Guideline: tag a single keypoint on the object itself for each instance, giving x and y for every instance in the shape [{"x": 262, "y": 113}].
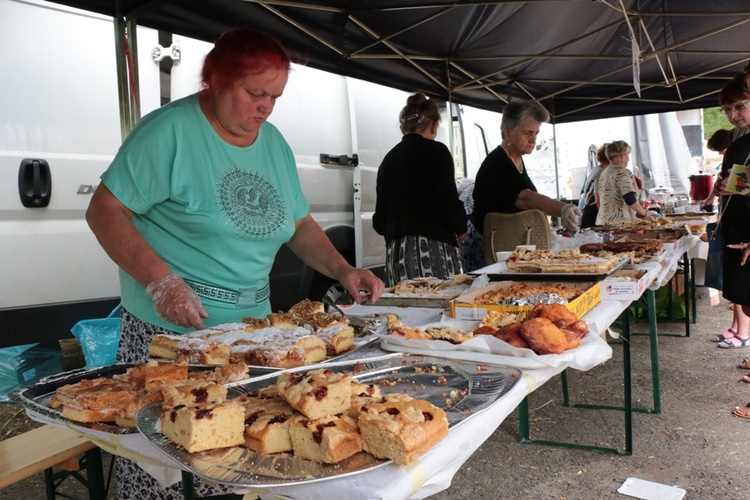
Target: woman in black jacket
[{"x": 417, "y": 208}]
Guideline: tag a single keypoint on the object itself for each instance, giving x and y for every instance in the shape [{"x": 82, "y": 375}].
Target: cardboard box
[
  {"x": 678, "y": 282},
  {"x": 463, "y": 307},
  {"x": 625, "y": 284}
]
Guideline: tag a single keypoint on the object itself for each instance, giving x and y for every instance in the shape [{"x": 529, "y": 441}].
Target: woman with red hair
[{"x": 195, "y": 206}]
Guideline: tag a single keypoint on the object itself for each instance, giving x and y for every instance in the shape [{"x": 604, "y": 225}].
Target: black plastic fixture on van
[
  {"x": 34, "y": 183},
  {"x": 351, "y": 161}
]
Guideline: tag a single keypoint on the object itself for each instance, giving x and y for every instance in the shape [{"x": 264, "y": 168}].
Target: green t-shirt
[{"x": 216, "y": 213}]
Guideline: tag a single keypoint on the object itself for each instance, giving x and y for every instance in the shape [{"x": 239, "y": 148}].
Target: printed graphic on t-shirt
[{"x": 251, "y": 204}]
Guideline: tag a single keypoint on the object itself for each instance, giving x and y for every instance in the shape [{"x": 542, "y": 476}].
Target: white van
[{"x": 59, "y": 129}]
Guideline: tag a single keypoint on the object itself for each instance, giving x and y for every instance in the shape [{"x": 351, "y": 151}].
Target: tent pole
[
  {"x": 554, "y": 150},
  {"x": 126, "y": 57}
]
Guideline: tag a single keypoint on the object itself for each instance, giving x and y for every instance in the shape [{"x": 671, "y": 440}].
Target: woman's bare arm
[
  {"x": 111, "y": 223},
  {"x": 312, "y": 245}
]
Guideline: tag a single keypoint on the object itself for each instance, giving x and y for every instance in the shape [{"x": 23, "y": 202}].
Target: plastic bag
[
  {"x": 662, "y": 304},
  {"x": 23, "y": 365},
  {"x": 581, "y": 238},
  {"x": 99, "y": 338}
]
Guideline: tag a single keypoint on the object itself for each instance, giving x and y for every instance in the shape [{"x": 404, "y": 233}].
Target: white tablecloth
[
  {"x": 669, "y": 265},
  {"x": 424, "y": 477}
]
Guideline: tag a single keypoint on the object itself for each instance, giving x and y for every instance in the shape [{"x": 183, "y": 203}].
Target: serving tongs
[{"x": 338, "y": 294}]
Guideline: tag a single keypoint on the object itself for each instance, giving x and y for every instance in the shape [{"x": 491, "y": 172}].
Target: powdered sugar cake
[{"x": 279, "y": 347}]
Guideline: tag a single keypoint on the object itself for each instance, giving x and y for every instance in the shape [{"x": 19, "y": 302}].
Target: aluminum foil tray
[
  {"x": 502, "y": 274},
  {"x": 461, "y": 388},
  {"x": 37, "y": 397}
]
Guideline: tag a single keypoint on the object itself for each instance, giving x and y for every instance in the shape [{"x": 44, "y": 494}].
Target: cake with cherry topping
[
  {"x": 267, "y": 422},
  {"x": 401, "y": 430},
  {"x": 193, "y": 393},
  {"x": 204, "y": 427},
  {"x": 362, "y": 394},
  {"x": 327, "y": 440},
  {"x": 317, "y": 393}
]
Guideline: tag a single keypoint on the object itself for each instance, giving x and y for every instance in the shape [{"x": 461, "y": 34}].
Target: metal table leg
[
  {"x": 653, "y": 334},
  {"x": 523, "y": 408},
  {"x": 653, "y": 341}
]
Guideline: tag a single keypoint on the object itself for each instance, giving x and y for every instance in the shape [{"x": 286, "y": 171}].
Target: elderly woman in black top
[
  {"x": 502, "y": 183},
  {"x": 417, "y": 208}
]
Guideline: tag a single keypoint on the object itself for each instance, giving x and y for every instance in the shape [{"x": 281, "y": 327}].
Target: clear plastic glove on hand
[
  {"x": 652, "y": 214},
  {"x": 176, "y": 302},
  {"x": 569, "y": 217}
]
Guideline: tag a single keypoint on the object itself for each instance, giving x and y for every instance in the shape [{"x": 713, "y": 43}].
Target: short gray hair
[{"x": 515, "y": 113}]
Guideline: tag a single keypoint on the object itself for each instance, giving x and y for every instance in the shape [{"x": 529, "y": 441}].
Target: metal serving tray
[
  {"x": 496, "y": 272},
  {"x": 38, "y": 396},
  {"x": 461, "y": 388},
  {"x": 441, "y": 298}
]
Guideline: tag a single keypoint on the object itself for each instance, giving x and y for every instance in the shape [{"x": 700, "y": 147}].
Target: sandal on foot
[
  {"x": 746, "y": 378},
  {"x": 735, "y": 342},
  {"x": 742, "y": 411},
  {"x": 744, "y": 364},
  {"x": 726, "y": 335}
]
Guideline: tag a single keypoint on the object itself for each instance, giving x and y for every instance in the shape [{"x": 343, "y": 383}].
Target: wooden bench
[{"x": 46, "y": 447}]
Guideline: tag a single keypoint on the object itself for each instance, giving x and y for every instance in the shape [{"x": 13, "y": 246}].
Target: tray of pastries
[
  {"x": 108, "y": 398},
  {"x": 327, "y": 421},
  {"x": 550, "y": 335},
  {"x": 635, "y": 251},
  {"x": 649, "y": 222},
  {"x": 548, "y": 329},
  {"x": 425, "y": 291},
  {"x": 303, "y": 335},
  {"x": 571, "y": 264}
]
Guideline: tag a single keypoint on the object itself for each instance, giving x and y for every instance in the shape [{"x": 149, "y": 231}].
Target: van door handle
[
  {"x": 351, "y": 161},
  {"x": 34, "y": 183}
]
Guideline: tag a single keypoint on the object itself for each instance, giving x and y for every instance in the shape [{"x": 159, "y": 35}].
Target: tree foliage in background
[{"x": 713, "y": 120}]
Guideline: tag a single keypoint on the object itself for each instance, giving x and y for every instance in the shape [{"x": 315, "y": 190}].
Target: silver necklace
[{"x": 518, "y": 164}]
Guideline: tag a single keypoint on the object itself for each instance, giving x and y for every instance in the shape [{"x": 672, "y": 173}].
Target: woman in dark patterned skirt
[{"x": 417, "y": 208}]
